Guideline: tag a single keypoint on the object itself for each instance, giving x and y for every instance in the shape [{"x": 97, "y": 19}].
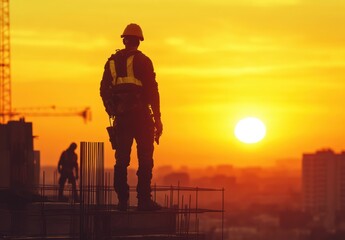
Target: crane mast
[{"x": 5, "y": 62}]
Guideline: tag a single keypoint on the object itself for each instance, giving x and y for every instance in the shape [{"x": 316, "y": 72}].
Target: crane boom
[
  {"x": 5, "y": 61},
  {"x": 50, "y": 111}
]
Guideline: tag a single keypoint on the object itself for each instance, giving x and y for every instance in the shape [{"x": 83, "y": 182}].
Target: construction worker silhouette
[
  {"x": 129, "y": 91},
  {"x": 67, "y": 165}
]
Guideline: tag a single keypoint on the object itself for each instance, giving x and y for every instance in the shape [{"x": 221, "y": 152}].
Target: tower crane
[
  {"x": 6, "y": 110},
  {"x": 5, "y": 62}
]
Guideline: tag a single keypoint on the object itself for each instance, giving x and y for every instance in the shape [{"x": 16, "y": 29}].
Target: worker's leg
[
  {"x": 124, "y": 140},
  {"x": 144, "y": 173},
  {"x": 145, "y": 147},
  {"x": 62, "y": 182},
  {"x": 74, "y": 189}
]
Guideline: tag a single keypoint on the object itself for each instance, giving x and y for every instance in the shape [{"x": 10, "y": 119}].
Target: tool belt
[{"x": 112, "y": 133}]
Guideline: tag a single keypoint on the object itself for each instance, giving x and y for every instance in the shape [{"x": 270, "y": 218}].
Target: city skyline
[{"x": 282, "y": 62}]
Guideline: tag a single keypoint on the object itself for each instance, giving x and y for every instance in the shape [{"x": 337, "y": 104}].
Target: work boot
[
  {"x": 148, "y": 205},
  {"x": 122, "y": 206}
]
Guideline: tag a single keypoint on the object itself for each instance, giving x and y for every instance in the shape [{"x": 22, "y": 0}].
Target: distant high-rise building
[
  {"x": 19, "y": 162},
  {"x": 323, "y": 184}
]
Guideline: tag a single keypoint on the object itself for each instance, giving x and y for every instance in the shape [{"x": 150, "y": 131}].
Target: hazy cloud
[{"x": 69, "y": 40}]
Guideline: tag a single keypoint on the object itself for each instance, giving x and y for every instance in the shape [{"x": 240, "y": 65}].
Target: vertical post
[
  {"x": 178, "y": 203},
  {"x": 196, "y": 207},
  {"x": 223, "y": 213},
  {"x": 42, "y": 207},
  {"x": 171, "y": 196},
  {"x": 81, "y": 194},
  {"x": 182, "y": 215},
  {"x": 44, "y": 182},
  {"x": 155, "y": 192},
  {"x": 189, "y": 213}
]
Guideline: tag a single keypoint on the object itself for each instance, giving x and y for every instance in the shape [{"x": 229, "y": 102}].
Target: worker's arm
[
  {"x": 76, "y": 167},
  {"x": 60, "y": 163},
  {"x": 105, "y": 89},
  {"x": 147, "y": 75}
]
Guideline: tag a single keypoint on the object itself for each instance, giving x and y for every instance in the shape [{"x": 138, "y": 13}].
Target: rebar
[{"x": 91, "y": 187}]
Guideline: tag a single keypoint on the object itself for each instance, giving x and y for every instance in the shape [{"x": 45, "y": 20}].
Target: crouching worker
[{"x": 68, "y": 170}]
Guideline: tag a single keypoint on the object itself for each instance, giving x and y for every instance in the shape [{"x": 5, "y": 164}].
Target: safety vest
[{"x": 129, "y": 79}]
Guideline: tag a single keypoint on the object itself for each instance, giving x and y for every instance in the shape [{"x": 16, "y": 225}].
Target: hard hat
[{"x": 133, "y": 30}]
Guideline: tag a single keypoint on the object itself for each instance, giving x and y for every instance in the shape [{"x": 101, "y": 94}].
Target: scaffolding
[
  {"x": 96, "y": 215},
  {"x": 49, "y": 218}
]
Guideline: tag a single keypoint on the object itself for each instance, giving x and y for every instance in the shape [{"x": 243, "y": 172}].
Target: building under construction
[{"x": 29, "y": 208}]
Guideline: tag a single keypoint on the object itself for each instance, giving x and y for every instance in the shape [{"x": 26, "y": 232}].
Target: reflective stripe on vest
[{"x": 130, "y": 73}]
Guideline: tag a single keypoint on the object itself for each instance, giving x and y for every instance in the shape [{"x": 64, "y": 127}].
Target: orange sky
[{"x": 216, "y": 62}]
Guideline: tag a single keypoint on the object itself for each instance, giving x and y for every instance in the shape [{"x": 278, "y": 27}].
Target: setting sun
[{"x": 250, "y": 130}]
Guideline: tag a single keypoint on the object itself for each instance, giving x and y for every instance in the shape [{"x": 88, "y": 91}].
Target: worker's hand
[
  {"x": 76, "y": 177},
  {"x": 158, "y": 129}
]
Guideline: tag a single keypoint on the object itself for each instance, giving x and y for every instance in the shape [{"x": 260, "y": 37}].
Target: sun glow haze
[
  {"x": 284, "y": 60},
  {"x": 250, "y": 130}
]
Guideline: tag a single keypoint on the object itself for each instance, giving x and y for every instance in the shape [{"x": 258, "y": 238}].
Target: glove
[{"x": 158, "y": 130}]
